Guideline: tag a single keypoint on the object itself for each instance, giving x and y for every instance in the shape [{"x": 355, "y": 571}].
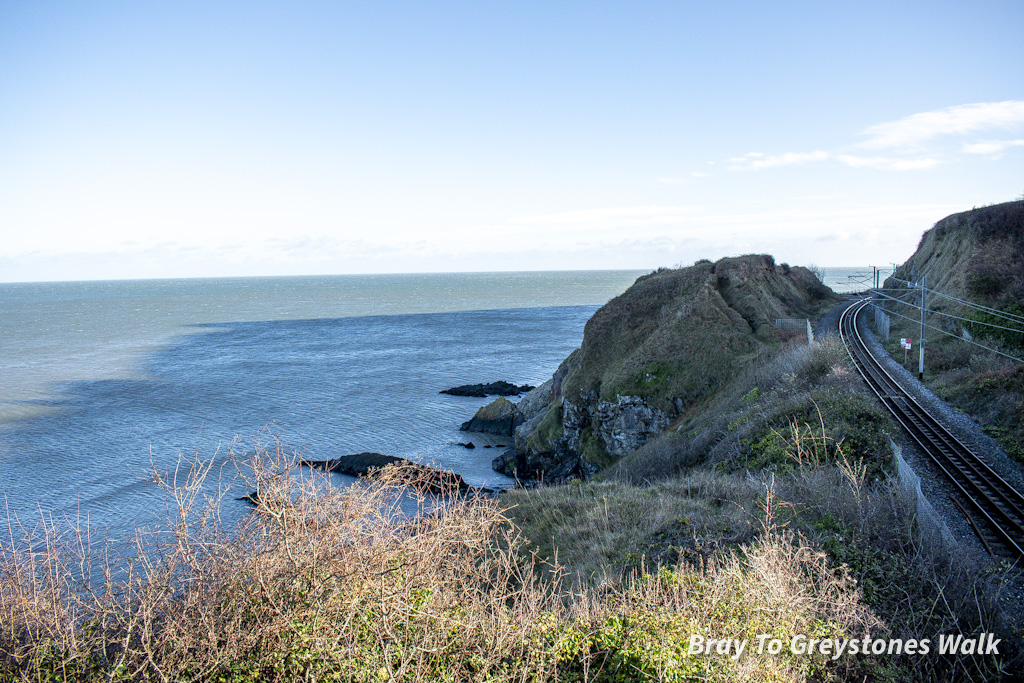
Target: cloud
[
  {"x": 991, "y": 146},
  {"x": 959, "y": 120},
  {"x": 888, "y": 163},
  {"x": 610, "y": 216},
  {"x": 903, "y": 136},
  {"x": 755, "y": 161}
]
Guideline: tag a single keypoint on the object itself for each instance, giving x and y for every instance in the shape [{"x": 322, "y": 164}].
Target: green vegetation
[
  {"x": 333, "y": 584},
  {"x": 678, "y": 333},
  {"x": 794, "y": 445},
  {"x": 993, "y": 397},
  {"x": 549, "y": 430},
  {"x": 1009, "y": 334}
]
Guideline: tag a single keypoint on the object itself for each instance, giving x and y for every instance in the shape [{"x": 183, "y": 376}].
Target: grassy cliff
[
  {"x": 651, "y": 355},
  {"x": 677, "y": 334},
  {"x": 975, "y": 256}
]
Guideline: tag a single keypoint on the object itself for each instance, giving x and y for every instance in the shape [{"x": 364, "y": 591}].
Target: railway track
[{"x": 994, "y": 509}]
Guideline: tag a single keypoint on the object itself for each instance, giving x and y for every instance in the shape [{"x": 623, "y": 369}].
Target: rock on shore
[{"x": 500, "y": 416}]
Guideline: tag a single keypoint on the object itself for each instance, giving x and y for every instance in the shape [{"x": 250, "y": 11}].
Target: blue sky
[{"x": 181, "y": 139}]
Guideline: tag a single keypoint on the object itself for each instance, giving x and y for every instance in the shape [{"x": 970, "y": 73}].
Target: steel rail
[{"x": 998, "y": 503}]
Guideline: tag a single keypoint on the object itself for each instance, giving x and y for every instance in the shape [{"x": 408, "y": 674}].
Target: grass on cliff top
[
  {"x": 321, "y": 583},
  {"x": 614, "y": 532},
  {"x": 798, "y": 432},
  {"x": 677, "y": 334}
]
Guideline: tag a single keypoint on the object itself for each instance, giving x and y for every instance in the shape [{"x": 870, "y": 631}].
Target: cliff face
[
  {"x": 976, "y": 255},
  {"x": 650, "y": 354}
]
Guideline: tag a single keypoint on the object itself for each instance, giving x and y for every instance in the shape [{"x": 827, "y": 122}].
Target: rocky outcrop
[
  {"x": 624, "y": 425},
  {"x": 653, "y": 353},
  {"x": 535, "y": 400},
  {"x": 976, "y": 255},
  {"x": 358, "y": 465},
  {"x": 499, "y": 388},
  {"x": 554, "y": 467},
  {"x": 497, "y": 417}
]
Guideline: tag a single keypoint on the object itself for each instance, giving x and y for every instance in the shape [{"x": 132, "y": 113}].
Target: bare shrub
[{"x": 318, "y": 581}]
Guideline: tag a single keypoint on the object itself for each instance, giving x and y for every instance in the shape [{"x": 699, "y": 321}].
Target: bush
[{"x": 318, "y": 582}]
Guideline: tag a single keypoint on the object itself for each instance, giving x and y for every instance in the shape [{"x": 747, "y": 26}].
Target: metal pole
[{"x": 920, "y": 365}]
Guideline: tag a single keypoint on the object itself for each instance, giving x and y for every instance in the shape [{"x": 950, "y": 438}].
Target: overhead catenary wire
[
  {"x": 978, "y": 322},
  {"x": 950, "y": 315},
  {"x": 988, "y": 309},
  {"x": 956, "y": 336},
  {"x": 993, "y": 311}
]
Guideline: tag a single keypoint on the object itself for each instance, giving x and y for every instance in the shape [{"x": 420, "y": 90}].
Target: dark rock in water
[
  {"x": 509, "y": 463},
  {"x": 426, "y": 478},
  {"x": 500, "y": 416},
  {"x": 499, "y": 388},
  {"x": 358, "y": 465},
  {"x": 469, "y": 444}
]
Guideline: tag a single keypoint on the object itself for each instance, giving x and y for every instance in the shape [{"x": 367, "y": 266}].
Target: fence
[
  {"x": 796, "y": 325},
  {"x": 881, "y": 321},
  {"x": 932, "y": 529}
]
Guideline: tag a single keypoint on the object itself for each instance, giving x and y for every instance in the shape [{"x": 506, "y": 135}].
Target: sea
[{"x": 106, "y": 382}]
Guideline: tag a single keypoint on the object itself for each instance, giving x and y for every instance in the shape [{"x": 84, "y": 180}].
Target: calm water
[
  {"x": 101, "y": 378},
  {"x": 845, "y": 280}
]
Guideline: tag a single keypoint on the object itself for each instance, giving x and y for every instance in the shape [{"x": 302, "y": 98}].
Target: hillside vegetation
[
  {"x": 975, "y": 256},
  {"x": 650, "y": 356}
]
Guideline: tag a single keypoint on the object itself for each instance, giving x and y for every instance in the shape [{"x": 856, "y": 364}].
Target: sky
[{"x": 197, "y": 139}]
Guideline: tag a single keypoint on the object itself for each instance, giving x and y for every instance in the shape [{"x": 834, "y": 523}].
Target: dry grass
[
  {"x": 335, "y": 583},
  {"x": 604, "y": 531},
  {"x": 318, "y": 581},
  {"x": 612, "y": 532}
]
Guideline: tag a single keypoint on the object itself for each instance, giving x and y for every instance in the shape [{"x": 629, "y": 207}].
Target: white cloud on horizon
[
  {"x": 888, "y": 163},
  {"x": 991, "y": 146},
  {"x": 629, "y": 237},
  {"x": 755, "y": 161},
  {"x": 609, "y": 217},
  {"x": 906, "y": 134},
  {"x": 958, "y": 120}
]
